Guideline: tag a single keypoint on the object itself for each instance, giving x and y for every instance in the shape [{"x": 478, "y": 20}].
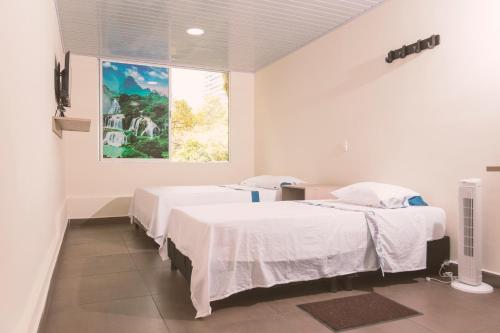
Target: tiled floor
[{"x": 111, "y": 279}]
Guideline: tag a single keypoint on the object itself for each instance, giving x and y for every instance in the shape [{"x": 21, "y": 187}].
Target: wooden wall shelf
[
  {"x": 493, "y": 168},
  {"x": 60, "y": 124}
]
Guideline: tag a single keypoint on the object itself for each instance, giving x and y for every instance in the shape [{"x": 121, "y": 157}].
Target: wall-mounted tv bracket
[
  {"x": 417, "y": 47},
  {"x": 57, "y": 90},
  {"x": 60, "y": 107},
  {"x": 60, "y": 110}
]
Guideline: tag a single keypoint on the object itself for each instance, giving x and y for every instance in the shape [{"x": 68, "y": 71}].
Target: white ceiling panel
[{"x": 240, "y": 35}]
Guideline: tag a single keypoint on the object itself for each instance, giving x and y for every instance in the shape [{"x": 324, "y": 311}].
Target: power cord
[{"x": 446, "y": 275}]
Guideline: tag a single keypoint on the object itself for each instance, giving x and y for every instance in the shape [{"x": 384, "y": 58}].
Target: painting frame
[{"x": 164, "y": 130}]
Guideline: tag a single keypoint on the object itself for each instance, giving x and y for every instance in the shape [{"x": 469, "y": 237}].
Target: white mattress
[
  {"x": 151, "y": 205},
  {"x": 434, "y": 218},
  {"x": 240, "y": 246}
]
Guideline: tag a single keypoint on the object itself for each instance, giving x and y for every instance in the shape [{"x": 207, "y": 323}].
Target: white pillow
[
  {"x": 375, "y": 195},
  {"x": 270, "y": 182}
]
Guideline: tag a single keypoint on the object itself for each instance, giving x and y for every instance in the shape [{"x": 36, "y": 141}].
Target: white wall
[
  {"x": 103, "y": 188},
  {"x": 31, "y": 170},
  {"x": 423, "y": 122}
]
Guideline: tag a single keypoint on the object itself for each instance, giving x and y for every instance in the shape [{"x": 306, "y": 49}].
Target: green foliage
[
  {"x": 200, "y": 136},
  {"x": 154, "y": 106},
  {"x": 192, "y": 150},
  {"x": 152, "y": 147},
  {"x": 129, "y": 152},
  {"x": 183, "y": 118},
  {"x": 213, "y": 113},
  {"x": 219, "y": 152},
  {"x": 111, "y": 151}
]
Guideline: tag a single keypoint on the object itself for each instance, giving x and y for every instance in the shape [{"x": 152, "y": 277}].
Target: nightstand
[{"x": 308, "y": 192}]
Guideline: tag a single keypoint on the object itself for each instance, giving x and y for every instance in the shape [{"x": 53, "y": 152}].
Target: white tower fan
[{"x": 470, "y": 239}]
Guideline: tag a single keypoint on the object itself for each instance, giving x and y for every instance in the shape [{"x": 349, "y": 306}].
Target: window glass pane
[{"x": 199, "y": 122}]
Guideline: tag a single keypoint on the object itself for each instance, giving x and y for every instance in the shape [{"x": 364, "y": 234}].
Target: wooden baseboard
[
  {"x": 98, "y": 220},
  {"x": 488, "y": 277}
]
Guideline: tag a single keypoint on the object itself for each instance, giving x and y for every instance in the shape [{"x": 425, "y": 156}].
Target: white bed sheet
[
  {"x": 151, "y": 206},
  {"x": 434, "y": 218},
  {"x": 399, "y": 235},
  {"x": 239, "y": 247}
]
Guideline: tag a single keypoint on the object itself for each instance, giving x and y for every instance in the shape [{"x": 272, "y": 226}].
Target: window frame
[{"x": 100, "y": 132}]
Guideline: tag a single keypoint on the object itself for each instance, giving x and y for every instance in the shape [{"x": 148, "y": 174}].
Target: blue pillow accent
[
  {"x": 417, "y": 201},
  {"x": 255, "y": 196}
]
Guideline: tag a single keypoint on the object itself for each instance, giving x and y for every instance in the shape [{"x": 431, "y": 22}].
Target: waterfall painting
[{"x": 134, "y": 110}]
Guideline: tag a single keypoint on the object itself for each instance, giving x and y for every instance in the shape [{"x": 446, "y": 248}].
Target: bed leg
[
  {"x": 347, "y": 282},
  {"x": 333, "y": 285},
  {"x": 172, "y": 266}
]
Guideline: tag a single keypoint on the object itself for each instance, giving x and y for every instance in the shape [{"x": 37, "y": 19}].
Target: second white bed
[
  {"x": 240, "y": 246},
  {"x": 151, "y": 206}
]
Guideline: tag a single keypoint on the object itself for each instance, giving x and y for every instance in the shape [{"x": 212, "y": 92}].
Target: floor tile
[
  {"x": 178, "y": 313},
  {"x": 444, "y": 308},
  {"x": 303, "y": 322},
  {"x": 237, "y": 313},
  {"x": 94, "y": 248},
  {"x": 175, "y": 308},
  {"x": 188, "y": 326},
  {"x": 424, "y": 296},
  {"x": 85, "y": 234},
  {"x": 456, "y": 318},
  {"x": 96, "y": 288},
  {"x": 178, "y": 322},
  {"x": 148, "y": 260},
  {"x": 232, "y": 310},
  {"x": 494, "y": 329},
  {"x": 107, "y": 274},
  {"x": 134, "y": 233},
  {"x": 489, "y": 303},
  {"x": 106, "y": 226},
  {"x": 124, "y": 316},
  {"x": 141, "y": 245},
  {"x": 270, "y": 324},
  {"x": 164, "y": 281},
  {"x": 85, "y": 266}
]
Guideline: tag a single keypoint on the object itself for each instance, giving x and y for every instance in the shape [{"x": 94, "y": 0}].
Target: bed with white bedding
[
  {"x": 238, "y": 247},
  {"x": 151, "y": 206}
]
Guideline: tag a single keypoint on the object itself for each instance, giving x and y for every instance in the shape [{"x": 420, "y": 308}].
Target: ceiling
[{"x": 240, "y": 35}]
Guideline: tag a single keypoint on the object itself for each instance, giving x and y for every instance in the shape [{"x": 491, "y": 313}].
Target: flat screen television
[
  {"x": 57, "y": 81},
  {"x": 65, "y": 99}
]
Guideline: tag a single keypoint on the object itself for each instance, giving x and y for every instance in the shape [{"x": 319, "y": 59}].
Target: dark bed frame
[{"x": 437, "y": 252}]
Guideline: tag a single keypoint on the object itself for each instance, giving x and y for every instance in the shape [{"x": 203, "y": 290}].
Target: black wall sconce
[{"x": 417, "y": 47}]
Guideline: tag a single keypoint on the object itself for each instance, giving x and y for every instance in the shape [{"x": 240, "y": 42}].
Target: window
[
  {"x": 199, "y": 122},
  {"x": 153, "y": 112}
]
